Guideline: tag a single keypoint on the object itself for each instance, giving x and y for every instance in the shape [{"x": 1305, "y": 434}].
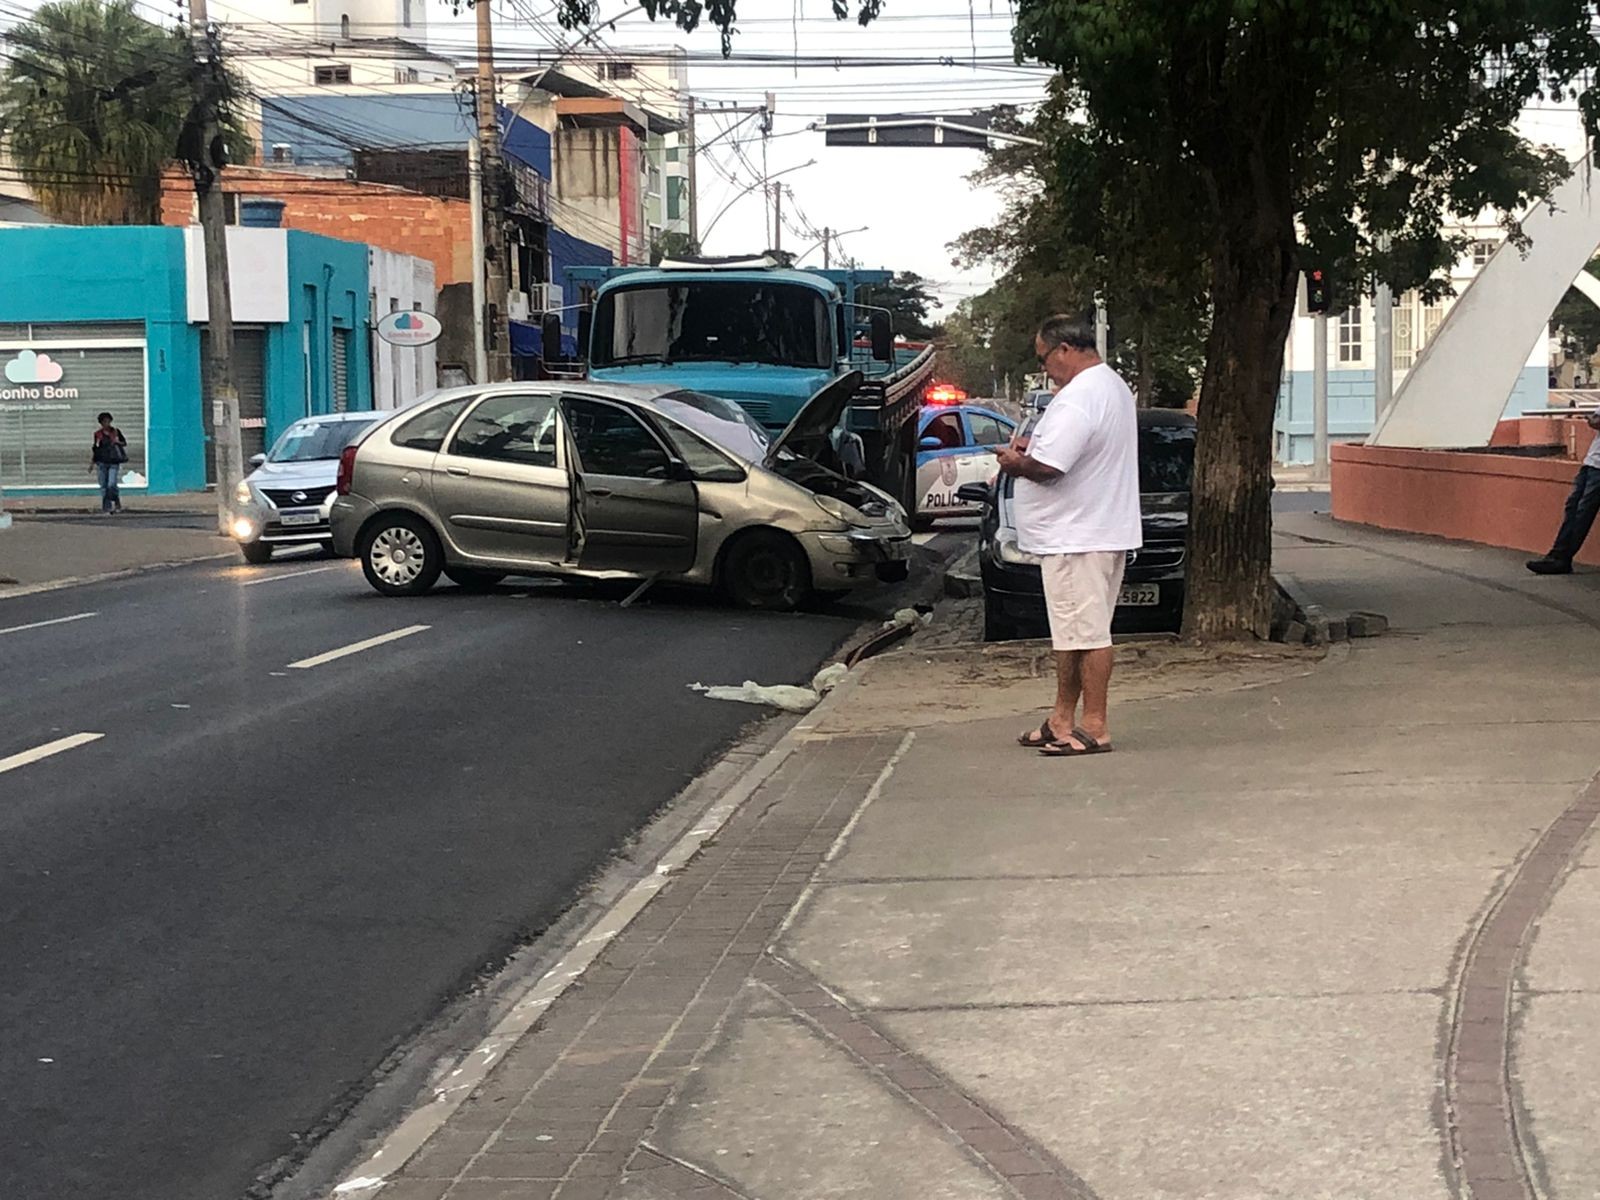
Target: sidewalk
[
  {"x": 46, "y": 551},
  {"x": 1320, "y": 928}
]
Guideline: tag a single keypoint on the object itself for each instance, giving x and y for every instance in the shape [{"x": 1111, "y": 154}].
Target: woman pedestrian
[{"x": 110, "y": 452}]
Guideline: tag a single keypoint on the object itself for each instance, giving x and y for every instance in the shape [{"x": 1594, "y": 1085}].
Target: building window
[
  {"x": 654, "y": 180},
  {"x": 1350, "y": 335},
  {"x": 338, "y": 74},
  {"x": 406, "y": 75},
  {"x": 1405, "y": 331},
  {"x": 675, "y": 189},
  {"x": 616, "y": 70},
  {"x": 1482, "y": 252},
  {"x": 405, "y": 13},
  {"x": 344, "y": 27}
]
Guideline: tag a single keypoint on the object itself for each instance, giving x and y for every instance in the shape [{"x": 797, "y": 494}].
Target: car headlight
[
  {"x": 840, "y": 511},
  {"x": 241, "y": 494},
  {"x": 1009, "y": 552}
]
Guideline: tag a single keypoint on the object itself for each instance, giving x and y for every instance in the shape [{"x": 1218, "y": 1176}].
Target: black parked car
[{"x": 1152, "y": 588}]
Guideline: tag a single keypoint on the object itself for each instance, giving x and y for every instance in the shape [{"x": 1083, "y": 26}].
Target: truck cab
[{"x": 768, "y": 337}]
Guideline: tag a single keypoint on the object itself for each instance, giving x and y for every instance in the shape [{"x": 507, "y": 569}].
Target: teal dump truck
[{"x": 772, "y": 339}]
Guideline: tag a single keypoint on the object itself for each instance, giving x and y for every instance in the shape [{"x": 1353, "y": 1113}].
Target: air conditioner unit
[
  {"x": 546, "y": 297},
  {"x": 517, "y": 307}
]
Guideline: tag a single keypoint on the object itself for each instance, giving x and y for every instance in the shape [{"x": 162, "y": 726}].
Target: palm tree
[{"x": 91, "y": 106}]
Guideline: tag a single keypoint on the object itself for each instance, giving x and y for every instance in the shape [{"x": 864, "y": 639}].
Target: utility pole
[
  {"x": 497, "y": 284},
  {"x": 777, "y": 216},
  {"x": 692, "y": 146},
  {"x": 1319, "y": 399},
  {"x": 220, "y": 388},
  {"x": 1383, "y": 344},
  {"x": 827, "y": 255},
  {"x": 480, "y": 344}
]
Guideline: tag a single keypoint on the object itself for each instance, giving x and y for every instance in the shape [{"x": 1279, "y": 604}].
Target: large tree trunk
[{"x": 1253, "y": 290}]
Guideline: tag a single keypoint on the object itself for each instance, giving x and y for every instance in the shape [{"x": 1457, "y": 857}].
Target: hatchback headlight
[
  {"x": 1009, "y": 552},
  {"x": 840, "y": 511},
  {"x": 241, "y": 494}
]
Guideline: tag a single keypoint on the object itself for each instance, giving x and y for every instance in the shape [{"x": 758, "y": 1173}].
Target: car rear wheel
[
  {"x": 256, "y": 553},
  {"x": 400, "y": 555},
  {"x": 473, "y": 581},
  {"x": 768, "y": 570}
]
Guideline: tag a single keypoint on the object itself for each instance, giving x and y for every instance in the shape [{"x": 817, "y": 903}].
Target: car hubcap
[
  {"x": 397, "y": 556},
  {"x": 768, "y": 574}
]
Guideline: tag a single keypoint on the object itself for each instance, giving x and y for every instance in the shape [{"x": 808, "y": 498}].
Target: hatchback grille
[
  {"x": 309, "y": 497},
  {"x": 760, "y": 410}
]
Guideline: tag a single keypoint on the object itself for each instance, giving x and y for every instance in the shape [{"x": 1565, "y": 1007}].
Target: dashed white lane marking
[
  {"x": 286, "y": 575},
  {"x": 25, "y": 757},
  {"x": 317, "y": 660},
  {"x": 54, "y": 621}
]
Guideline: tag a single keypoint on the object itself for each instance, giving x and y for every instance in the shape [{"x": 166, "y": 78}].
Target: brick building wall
[{"x": 391, "y": 218}]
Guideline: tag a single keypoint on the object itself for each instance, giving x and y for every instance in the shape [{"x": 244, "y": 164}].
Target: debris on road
[{"x": 786, "y": 696}]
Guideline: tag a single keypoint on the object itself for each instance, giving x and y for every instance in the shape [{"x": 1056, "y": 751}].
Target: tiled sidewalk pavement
[
  {"x": 569, "y": 1113},
  {"x": 564, "y": 1113}
]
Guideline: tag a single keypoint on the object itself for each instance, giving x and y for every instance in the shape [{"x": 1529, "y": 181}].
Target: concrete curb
[
  {"x": 56, "y": 585},
  {"x": 454, "y": 1084}
]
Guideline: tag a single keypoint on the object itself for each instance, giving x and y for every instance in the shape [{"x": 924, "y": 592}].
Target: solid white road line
[
  {"x": 287, "y": 575},
  {"x": 56, "y": 621},
  {"x": 46, "y": 750},
  {"x": 356, "y": 647}
]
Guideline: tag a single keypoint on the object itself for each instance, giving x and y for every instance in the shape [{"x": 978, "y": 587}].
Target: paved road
[{"x": 256, "y": 868}]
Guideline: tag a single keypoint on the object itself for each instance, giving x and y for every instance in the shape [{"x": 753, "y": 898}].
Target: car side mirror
[
  {"x": 930, "y": 443},
  {"x": 679, "y": 471},
  {"x": 882, "y": 337},
  {"x": 257, "y": 459},
  {"x": 550, "y": 336},
  {"x": 973, "y": 493}
]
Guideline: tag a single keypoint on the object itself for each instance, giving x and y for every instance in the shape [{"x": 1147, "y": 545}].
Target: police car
[{"x": 955, "y": 445}]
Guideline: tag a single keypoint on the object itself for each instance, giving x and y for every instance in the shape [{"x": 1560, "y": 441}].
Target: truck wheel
[
  {"x": 256, "y": 553},
  {"x": 400, "y": 556},
  {"x": 768, "y": 570}
]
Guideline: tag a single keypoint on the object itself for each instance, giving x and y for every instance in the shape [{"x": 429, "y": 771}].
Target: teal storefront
[{"x": 112, "y": 318}]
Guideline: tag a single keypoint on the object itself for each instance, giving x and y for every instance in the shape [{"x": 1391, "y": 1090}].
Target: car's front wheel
[
  {"x": 469, "y": 580},
  {"x": 767, "y": 569},
  {"x": 256, "y": 553},
  {"x": 997, "y": 627},
  {"x": 400, "y": 556}
]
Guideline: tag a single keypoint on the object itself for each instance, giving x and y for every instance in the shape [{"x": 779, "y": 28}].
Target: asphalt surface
[{"x": 218, "y": 918}]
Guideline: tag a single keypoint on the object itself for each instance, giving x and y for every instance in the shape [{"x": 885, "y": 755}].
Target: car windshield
[
  {"x": 709, "y": 321},
  {"x": 719, "y": 421},
  {"x": 1166, "y": 459},
  {"x": 308, "y": 441}
]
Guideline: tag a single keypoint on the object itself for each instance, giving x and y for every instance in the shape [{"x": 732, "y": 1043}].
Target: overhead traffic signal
[{"x": 1319, "y": 297}]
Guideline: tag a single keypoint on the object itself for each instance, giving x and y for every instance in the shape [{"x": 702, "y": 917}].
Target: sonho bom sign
[{"x": 33, "y": 376}]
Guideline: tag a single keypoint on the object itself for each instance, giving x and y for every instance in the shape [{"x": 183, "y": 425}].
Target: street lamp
[
  {"x": 828, "y": 236},
  {"x": 762, "y": 182}
]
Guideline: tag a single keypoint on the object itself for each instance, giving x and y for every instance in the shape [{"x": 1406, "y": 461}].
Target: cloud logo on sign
[
  {"x": 407, "y": 321},
  {"x": 29, "y": 367}
]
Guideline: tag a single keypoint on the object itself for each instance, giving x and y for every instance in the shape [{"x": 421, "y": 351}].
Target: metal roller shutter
[
  {"x": 250, "y": 378},
  {"x": 48, "y": 404},
  {"x": 341, "y": 370}
]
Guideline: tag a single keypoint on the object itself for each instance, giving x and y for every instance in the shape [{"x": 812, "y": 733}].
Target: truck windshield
[{"x": 723, "y": 321}]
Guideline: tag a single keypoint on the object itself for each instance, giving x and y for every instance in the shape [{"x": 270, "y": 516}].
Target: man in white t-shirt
[
  {"x": 1077, "y": 508},
  {"x": 1583, "y": 503}
]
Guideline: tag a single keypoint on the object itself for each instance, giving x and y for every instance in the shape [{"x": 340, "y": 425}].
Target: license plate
[
  {"x": 1140, "y": 595},
  {"x": 307, "y": 518}
]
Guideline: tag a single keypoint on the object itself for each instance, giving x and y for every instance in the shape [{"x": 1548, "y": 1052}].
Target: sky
[{"x": 912, "y": 201}]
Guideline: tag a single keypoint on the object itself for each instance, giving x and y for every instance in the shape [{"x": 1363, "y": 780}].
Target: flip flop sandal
[
  {"x": 1068, "y": 750},
  {"x": 1038, "y": 739}
]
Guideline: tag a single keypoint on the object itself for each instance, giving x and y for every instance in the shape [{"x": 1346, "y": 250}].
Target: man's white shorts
[{"x": 1080, "y": 593}]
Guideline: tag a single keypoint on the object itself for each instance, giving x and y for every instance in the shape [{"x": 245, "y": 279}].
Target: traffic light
[{"x": 1319, "y": 299}]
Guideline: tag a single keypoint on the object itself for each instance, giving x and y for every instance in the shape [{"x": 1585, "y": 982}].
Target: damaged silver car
[{"x": 604, "y": 480}]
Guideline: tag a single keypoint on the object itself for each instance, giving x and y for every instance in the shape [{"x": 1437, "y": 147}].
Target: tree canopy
[
  {"x": 908, "y": 299},
  {"x": 93, "y": 106}
]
